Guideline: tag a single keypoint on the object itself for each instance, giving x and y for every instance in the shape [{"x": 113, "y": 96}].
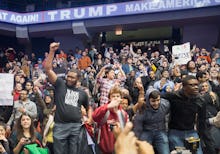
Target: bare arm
[
  {"x": 19, "y": 146},
  {"x": 48, "y": 65},
  {"x": 132, "y": 51},
  {"x": 121, "y": 71},
  {"x": 140, "y": 102},
  {"x": 101, "y": 72},
  {"x": 39, "y": 99}
]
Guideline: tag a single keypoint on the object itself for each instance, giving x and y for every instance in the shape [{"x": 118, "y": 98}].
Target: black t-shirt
[
  {"x": 130, "y": 113},
  {"x": 68, "y": 103}
]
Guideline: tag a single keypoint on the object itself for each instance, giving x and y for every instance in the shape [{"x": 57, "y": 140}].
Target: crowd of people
[{"x": 126, "y": 100}]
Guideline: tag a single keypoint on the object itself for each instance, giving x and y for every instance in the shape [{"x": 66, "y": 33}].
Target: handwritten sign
[
  {"x": 181, "y": 53},
  {"x": 6, "y": 88}
]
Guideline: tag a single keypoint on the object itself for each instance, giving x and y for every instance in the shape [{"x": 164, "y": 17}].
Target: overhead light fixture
[{"x": 118, "y": 30}]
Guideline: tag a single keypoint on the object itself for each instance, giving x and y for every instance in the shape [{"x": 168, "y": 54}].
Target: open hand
[
  {"x": 114, "y": 103},
  {"x": 126, "y": 141}
]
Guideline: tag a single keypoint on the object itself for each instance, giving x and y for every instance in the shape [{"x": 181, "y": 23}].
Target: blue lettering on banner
[{"x": 107, "y": 10}]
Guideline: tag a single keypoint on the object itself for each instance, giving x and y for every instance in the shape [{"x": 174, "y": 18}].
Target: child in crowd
[{"x": 106, "y": 117}]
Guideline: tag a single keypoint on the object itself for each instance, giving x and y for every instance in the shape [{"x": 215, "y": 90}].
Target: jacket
[
  {"x": 84, "y": 62},
  {"x": 155, "y": 119},
  {"x": 183, "y": 110},
  {"x": 107, "y": 138}
]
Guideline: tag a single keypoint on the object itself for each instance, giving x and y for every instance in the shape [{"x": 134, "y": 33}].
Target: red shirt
[
  {"x": 16, "y": 96},
  {"x": 107, "y": 139}
]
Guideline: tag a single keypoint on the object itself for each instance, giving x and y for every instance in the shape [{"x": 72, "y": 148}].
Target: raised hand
[
  {"x": 144, "y": 147},
  {"x": 114, "y": 103},
  {"x": 54, "y": 46},
  {"x": 126, "y": 141}
]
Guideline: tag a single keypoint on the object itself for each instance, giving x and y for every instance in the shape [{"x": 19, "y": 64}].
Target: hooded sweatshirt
[
  {"x": 155, "y": 119},
  {"x": 107, "y": 139}
]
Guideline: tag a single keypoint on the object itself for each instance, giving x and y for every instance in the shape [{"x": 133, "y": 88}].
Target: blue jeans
[
  {"x": 66, "y": 136},
  {"x": 177, "y": 137},
  {"x": 158, "y": 139}
]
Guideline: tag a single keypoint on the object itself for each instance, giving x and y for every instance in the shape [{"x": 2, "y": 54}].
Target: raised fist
[{"x": 54, "y": 46}]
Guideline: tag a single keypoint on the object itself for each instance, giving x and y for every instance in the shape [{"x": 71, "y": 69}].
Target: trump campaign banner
[
  {"x": 105, "y": 10},
  {"x": 6, "y": 88}
]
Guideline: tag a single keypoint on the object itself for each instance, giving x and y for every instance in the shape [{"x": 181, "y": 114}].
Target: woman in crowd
[
  {"x": 191, "y": 68},
  {"x": 4, "y": 144},
  {"x": 210, "y": 135},
  {"x": 24, "y": 134},
  {"x": 48, "y": 108}
]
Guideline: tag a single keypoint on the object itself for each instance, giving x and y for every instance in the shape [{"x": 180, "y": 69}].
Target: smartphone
[{"x": 27, "y": 140}]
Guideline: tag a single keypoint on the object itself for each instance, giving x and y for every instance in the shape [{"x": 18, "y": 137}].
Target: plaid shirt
[{"x": 106, "y": 85}]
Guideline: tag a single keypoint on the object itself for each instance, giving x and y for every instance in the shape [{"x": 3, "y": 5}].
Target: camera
[
  {"x": 111, "y": 127},
  {"x": 27, "y": 140}
]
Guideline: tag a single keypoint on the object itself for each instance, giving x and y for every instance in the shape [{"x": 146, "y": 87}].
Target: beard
[{"x": 70, "y": 84}]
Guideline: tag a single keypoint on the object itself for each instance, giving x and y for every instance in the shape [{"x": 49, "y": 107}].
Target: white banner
[
  {"x": 181, "y": 53},
  {"x": 105, "y": 10},
  {"x": 6, "y": 88}
]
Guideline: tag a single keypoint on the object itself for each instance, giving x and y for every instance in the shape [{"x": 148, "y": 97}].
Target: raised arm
[
  {"x": 132, "y": 51},
  {"x": 121, "y": 71},
  {"x": 140, "y": 102},
  {"x": 48, "y": 65},
  {"x": 101, "y": 73},
  {"x": 39, "y": 99}
]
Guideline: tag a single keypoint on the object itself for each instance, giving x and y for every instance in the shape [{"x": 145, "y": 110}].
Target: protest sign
[
  {"x": 181, "y": 53},
  {"x": 6, "y": 88}
]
